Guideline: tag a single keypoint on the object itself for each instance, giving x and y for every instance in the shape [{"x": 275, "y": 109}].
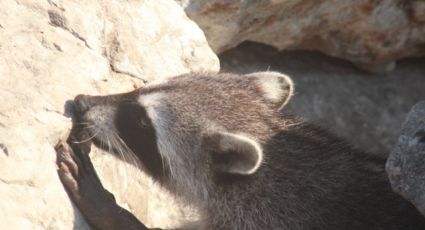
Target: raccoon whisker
[
  {"x": 108, "y": 143},
  {"x": 86, "y": 125},
  {"x": 105, "y": 145},
  {"x": 83, "y": 123},
  {"x": 129, "y": 153},
  {"x": 90, "y": 127},
  {"x": 114, "y": 146},
  {"x": 165, "y": 159},
  {"x": 133, "y": 103},
  {"x": 294, "y": 124},
  {"x": 89, "y": 138},
  {"x": 119, "y": 147},
  {"x": 164, "y": 165}
]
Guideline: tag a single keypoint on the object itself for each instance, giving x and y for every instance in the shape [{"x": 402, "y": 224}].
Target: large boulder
[
  {"x": 372, "y": 34},
  {"x": 51, "y": 51},
  {"x": 406, "y": 164}
]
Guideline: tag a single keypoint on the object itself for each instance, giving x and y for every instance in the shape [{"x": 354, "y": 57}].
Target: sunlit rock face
[{"x": 51, "y": 51}]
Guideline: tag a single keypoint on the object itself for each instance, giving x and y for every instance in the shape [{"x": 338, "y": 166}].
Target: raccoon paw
[
  {"x": 80, "y": 180},
  {"x": 97, "y": 205},
  {"x": 68, "y": 169}
]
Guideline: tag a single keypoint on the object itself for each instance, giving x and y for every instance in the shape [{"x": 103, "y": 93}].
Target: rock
[
  {"x": 371, "y": 34},
  {"x": 417, "y": 11},
  {"x": 51, "y": 51},
  {"x": 406, "y": 164}
]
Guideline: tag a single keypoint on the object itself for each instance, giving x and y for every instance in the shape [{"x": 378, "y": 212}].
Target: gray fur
[{"x": 306, "y": 179}]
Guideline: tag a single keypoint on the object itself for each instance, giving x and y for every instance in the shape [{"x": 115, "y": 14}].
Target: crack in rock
[
  {"x": 4, "y": 149},
  {"x": 28, "y": 183},
  {"x": 57, "y": 47},
  {"x": 55, "y": 5},
  {"x": 110, "y": 54},
  {"x": 53, "y": 111},
  {"x": 115, "y": 70},
  {"x": 58, "y": 21}
]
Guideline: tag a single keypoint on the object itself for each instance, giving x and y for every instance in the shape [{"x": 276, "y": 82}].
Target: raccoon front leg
[{"x": 80, "y": 180}]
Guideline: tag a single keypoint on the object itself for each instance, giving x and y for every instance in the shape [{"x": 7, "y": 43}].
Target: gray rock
[{"x": 406, "y": 164}]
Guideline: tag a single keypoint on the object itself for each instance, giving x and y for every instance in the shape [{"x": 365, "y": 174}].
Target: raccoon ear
[
  {"x": 233, "y": 153},
  {"x": 277, "y": 87}
]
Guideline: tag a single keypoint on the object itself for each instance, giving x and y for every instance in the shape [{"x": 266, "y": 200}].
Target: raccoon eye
[
  {"x": 130, "y": 116},
  {"x": 142, "y": 123}
]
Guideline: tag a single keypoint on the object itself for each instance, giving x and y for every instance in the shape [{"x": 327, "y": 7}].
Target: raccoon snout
[{"x": 81, "y": 104}]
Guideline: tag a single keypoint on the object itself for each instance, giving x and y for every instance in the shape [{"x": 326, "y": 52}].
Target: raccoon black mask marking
[{"x": 224, "y": 144}]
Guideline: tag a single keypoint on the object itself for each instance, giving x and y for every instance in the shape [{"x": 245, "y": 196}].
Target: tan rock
[
  {"x": 51, "y": 51},
  {"x": 371, "y": 34}
]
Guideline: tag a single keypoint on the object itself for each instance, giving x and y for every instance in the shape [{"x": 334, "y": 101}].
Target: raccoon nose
[{"x": 81, "y": 103}]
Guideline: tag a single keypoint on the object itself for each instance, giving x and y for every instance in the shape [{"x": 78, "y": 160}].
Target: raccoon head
[{"x": 189, "y": 129}]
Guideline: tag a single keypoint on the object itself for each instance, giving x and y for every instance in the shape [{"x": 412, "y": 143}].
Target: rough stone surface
[
  {"x": 372, "y": 34},
  {"x": 365, "y": 109},
  {"x": 51, "y": 51},
  {"x": 406, "y": 164}
]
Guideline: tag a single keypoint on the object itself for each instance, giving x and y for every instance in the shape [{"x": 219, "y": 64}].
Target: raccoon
[{"x": 225, "y": 144}]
